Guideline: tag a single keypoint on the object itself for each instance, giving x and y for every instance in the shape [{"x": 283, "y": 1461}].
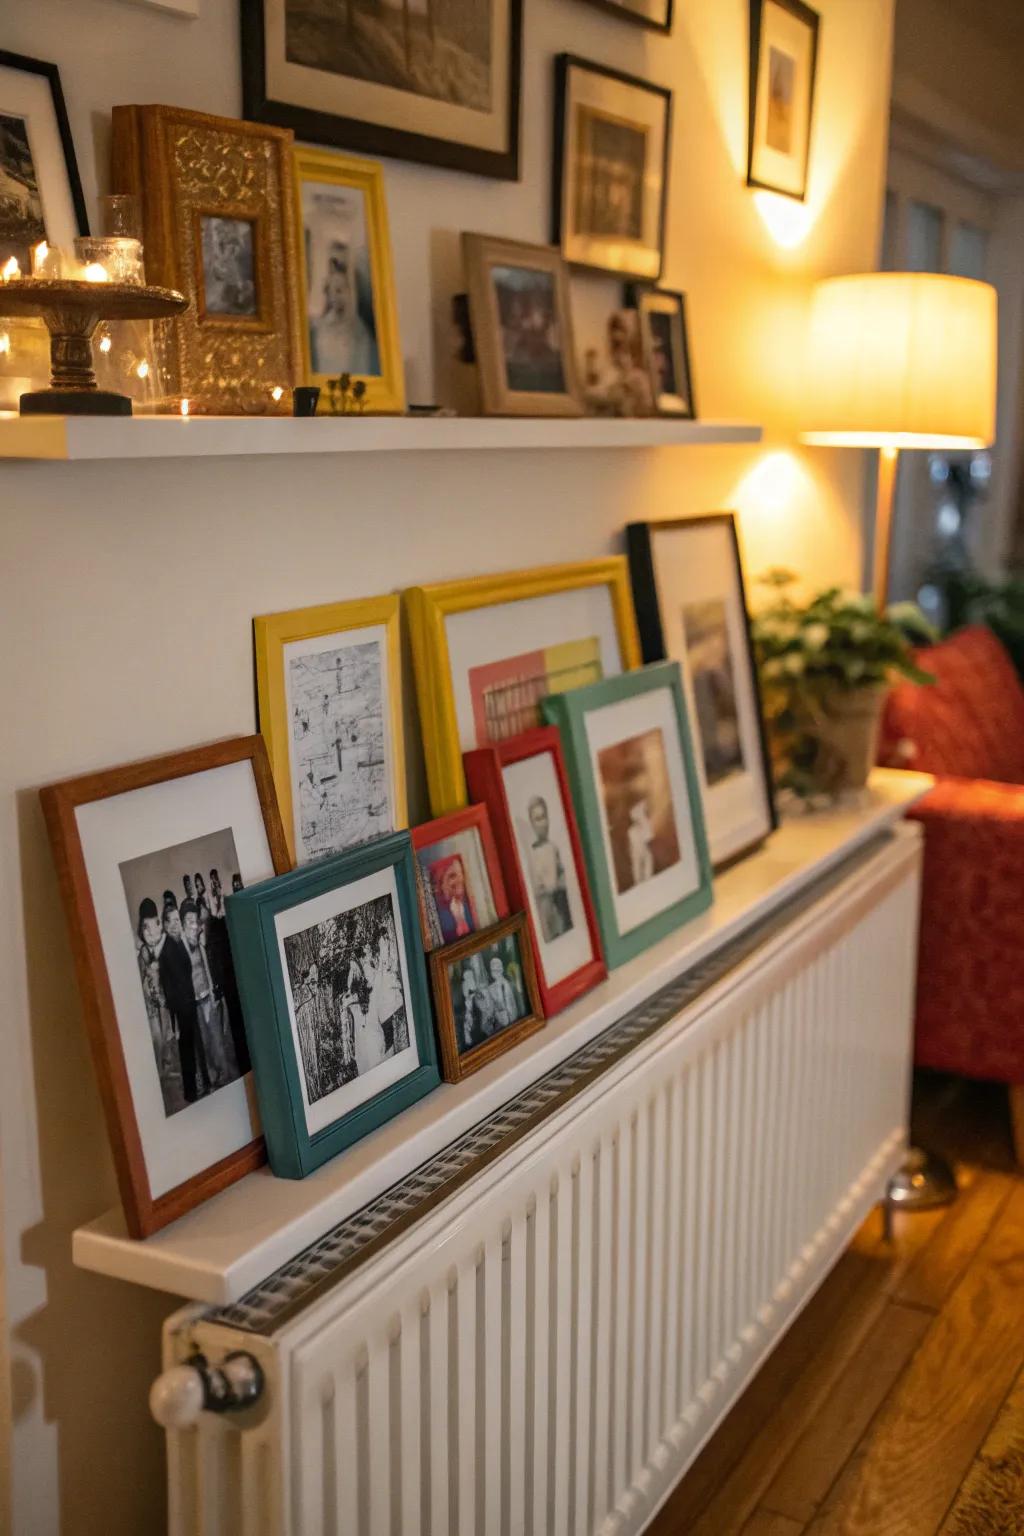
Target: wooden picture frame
[
  {"x": 326, "y": 105},
  {"x": 692, "y": 565},
  {"x": 314, "y": 1106},
  {"x": 655, "y": 15},
  {"x": 458, "y": 1061},
  {"x": 371, "y": 351},
  {"x": 285, "y": 644},
  {"x": 483, "y": 896},
  {"x": 608, "y": 121},
  {"x": 580, "y": 617},
  {"x": 784, "y": 36},
  {"x": 665, "y": 348},
  {"x": 218, "y": 217},
  {"x": 562, "y": 909},
  {"x": 47, "y": 167},
  {"x": 123, "y": 1064},
  {"x": 629, "y": 754},
  {"x": 503, "y": 279}
]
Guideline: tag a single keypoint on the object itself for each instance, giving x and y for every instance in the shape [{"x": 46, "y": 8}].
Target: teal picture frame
[
  {"x": 569, "y": 711},
  {"x": 293, "y": 1150}
]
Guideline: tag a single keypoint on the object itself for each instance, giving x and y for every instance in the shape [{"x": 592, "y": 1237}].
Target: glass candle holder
[
  {"x": 121, "y": 216},
  {"x": 119, "y": 255}
]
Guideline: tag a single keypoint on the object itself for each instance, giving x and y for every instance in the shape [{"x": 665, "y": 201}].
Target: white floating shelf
[
  {"x": 174, "y": 437},
  {"x": 223, "y": 1248}
]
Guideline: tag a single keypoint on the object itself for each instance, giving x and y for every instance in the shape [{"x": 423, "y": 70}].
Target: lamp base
[{"x": 74, "y": 402}]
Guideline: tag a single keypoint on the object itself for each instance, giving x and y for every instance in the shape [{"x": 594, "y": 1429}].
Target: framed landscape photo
[
  {"x": 611, "y": 157},
  {"x": 691, "y": 608},
  {"x": 635, "y": 786},
  {"x": 488, "y": 649},
  {"x": 523, "y": 784},
  {"x": 350, "y": 317},
  {"x": 485, "y": 996},
  {"x": 783, "y": 65},
  {"x": 665, "y": 349},
  {"x": 656, "y": 14},
  {"x": 40, "y": 189},
  {"x": 147, "y": 855},
  {"x": 437, "y": 83},
  {"x": 458, "y": 876},
  {"x": 329, "y": 686},
  {"x": 336, "y": 1004},
  {"x": 218, "y": 218},
  {"x": 521, "y": 322}
]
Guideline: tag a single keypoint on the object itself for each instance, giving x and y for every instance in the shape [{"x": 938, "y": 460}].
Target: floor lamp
[{"x": 903, "y": 360}]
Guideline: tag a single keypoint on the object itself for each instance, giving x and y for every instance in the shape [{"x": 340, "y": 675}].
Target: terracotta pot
[{"x": 848, "y": 729}]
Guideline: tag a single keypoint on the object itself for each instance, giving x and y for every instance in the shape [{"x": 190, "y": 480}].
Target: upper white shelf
[
  {"x": 174, "y": 437},
  {"x": 221, "y": 1249}
]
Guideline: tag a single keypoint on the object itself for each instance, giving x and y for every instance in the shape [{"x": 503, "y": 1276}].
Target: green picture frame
[
  {"x": 286, "y": 1057},
  {"x": 627, "y": 872}
]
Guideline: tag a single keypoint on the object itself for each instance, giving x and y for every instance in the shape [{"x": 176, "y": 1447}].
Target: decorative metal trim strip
[{"x": 331, "y": 1258}]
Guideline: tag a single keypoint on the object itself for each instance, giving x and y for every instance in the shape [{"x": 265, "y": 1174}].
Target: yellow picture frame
[
  {"x": 428, "y": 609},
  {"x": 385, "y": 393},
  {"x": 272, "y": 632}
]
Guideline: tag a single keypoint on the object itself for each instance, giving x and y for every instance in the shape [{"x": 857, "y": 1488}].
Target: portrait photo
[
  {"x": 714, "y": 688},
  {"x": 458, "y": 876},
  {"x": 40, "y": 190},
  {"x": 783, "y": 65},
  {"x": 229, "y": 266},
  {"x": 485, "y": 994},
  {"x": 637, "y": 801},
  {"x": 339, "y": 285}
]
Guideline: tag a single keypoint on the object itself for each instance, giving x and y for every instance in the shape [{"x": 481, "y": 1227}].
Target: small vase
[{"x": 848, "y": 729}]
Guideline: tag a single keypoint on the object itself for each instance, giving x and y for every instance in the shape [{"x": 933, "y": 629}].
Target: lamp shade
[{"x": 902, "y": 360}]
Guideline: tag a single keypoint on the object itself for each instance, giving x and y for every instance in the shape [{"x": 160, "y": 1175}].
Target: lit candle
[
  {"x": 276, "y": 392},
  {"x": 105, "y": 343},
  {"x": 95, "y": 272},
  {"x": 10, "y": 269},
  {"x": 142, "y": 369},
  {"x": 47, "y": 261},
  {"x": 5, "y": 343},
  {"x": 184, "y": 407}
]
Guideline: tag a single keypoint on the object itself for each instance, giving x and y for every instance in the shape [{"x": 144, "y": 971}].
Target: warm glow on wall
[
  {"x": 769, "y": 488},
  {"x": 786, "y": 220}
]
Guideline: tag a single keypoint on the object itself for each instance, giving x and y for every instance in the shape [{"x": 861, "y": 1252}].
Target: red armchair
[{"x": 968, "y": 729}]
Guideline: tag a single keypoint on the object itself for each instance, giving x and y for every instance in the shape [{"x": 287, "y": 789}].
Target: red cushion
[{"x": 969, "y": 722}]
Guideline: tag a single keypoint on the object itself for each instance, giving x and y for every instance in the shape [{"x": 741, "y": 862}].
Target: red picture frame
[
  {"x": 484, "y": 777},
  {"x": 471, "y": 818}
]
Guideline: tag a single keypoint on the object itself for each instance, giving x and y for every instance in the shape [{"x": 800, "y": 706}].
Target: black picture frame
[
  {"x": 51, "y": 73},
  {"x": 640, "y": 298},
  {"x": 812, "y": 20},
  {"x": 564, "y": 64},
  {"x": 316, "y": 127},
  {"x": 622, "y": 12},
  {"x": 640, "y": 542}
]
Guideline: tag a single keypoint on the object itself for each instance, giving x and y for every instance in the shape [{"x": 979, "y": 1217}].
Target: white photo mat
[
  {"x": 28, "y": 95},
  {"x": 562, "y": 956},
  {"x": 781, "y": 29}
]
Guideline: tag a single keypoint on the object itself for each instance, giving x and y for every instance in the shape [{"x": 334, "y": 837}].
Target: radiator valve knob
[
  {"x": 177, "y": 1398},
  {"x": 180, "y": 1395}
]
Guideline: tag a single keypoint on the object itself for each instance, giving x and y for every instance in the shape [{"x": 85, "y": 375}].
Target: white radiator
[{"x": 545, "y": 1349}]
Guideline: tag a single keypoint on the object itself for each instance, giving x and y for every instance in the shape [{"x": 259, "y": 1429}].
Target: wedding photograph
[
  {"x": 340, "y": 311},
  {"x": 229, "y": 266},
  {"x": 637, "y": 801},
  {"x": 21, "y": 205},
  {"x": 713, "y": 681}
]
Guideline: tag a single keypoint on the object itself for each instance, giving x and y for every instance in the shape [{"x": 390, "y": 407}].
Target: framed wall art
[
  {"x": 458, "y": 876},
  {"x": 611, "y": 156},
  {"x": 146, "y": 855},
  {"x": 523, "y": 784},
  {"x": 656, "y": 14},
  {"x": 691, "y": 608},
  {"x": 635, "y": 786},
  {"x": 665, "y": 349},
  {"x": 218, "y": 220},
  {"x": 521, "y": 320},
  {"x": 350, "y": 317},
  {"x": 486, "y": 651},
  {"x": 434, "y": 83},
  {"x": 334, "y": 989},
  {"x": 783, "y": 66},
  {"x": 40, "y": 190},
  {"x": 485, "y": 996},
  {"x": 329, "y": 688}
]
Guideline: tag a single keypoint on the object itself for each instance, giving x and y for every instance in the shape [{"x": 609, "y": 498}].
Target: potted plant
[{"x": 825, "y": 668}]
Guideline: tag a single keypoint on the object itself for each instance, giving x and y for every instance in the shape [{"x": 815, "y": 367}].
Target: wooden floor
[{"x": 895, "y": 1405}]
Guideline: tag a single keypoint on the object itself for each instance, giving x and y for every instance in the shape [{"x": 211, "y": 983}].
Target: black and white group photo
[
  {"x": 229, "y": 266},
  {"x": 348, "y": 997},
  {"x": 175, "y": 899},
  {"x": 21, "y": 206},
  {"x": 488, "y": 992}
]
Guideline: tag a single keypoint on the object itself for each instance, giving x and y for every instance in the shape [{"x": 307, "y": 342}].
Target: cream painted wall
[{"x": 129, "y": 589}]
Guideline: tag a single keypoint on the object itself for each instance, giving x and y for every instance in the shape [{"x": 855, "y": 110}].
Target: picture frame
[
  {"x": 38, "y": 161},
  {"x": 784, "y": 38},
  {"x": 475, "y": 682},
  {"x": 465, "y": 1044},
  {"x": 523, "y": 784},
  {"x": 508, "y": 282},
  {"x": 629, "y": 754},
  {"x": 336, "y": 1004},
  {"x": 120, "y": 839},
  {"x": 665, "y": 348},
  {"x": 344, "y": 250},
  {"x": 656, "y": 15},
  {"x": 613, "y": 134},
  {"x": 458, "y": 876},
  {"x": 306, "y": 77},
  {"x": 218, "y": 219},
  {"x": 691, "y": 608},
  {"x": 337, "y": 752}
]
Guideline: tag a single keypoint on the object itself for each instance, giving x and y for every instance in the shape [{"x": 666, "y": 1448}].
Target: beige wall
[{"x": 129, "y": 590}]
